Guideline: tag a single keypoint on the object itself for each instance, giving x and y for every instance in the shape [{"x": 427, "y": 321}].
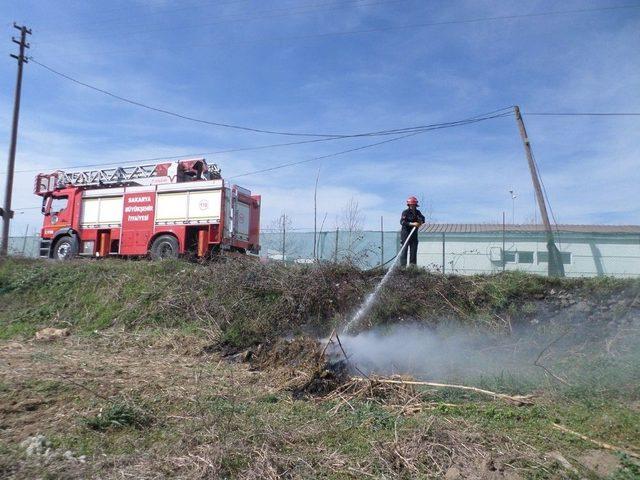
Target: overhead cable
[
  {"x": 362, "y": 147},
  {"x": 141, "y": 29},
  {"x": 228, "y": 125},
  {"x": 391, "y": 28},
  {"x": 168, "y": 112},
  {"x": 343, "y": 152},
  {"x": 418, "y": 129},
  {"x": 584, "y": 114}
]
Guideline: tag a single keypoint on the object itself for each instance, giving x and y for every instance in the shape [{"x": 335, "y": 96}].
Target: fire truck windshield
[{"x": 56, "y": 205}]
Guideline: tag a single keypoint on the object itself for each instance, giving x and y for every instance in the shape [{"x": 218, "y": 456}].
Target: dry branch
[
  {"x": 455, "y": 309},
  {"x": 607, "y": 446},
  {"x": 330, "y": 341},
  {"x": 84, "y": 387},
  {"x": 516, "y": 399},
  {"x": 549, "y": 372}
]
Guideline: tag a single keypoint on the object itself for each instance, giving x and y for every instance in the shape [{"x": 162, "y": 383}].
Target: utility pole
[
  {"x": 555, "y": 266},
  {"x": 6, "y": 212}
]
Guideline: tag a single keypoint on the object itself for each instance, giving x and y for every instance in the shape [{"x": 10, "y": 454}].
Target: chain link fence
[
  {"x": 365, "y": 249},
  {"x": 452, "y": 253},
  {"x": 25, "y": 246}
]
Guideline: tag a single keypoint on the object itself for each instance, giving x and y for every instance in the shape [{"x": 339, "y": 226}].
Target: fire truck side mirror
[{"x": 43, "y": 210}]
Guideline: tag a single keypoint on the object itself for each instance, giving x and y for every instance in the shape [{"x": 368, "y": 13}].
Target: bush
[{"x": 118, "y": 415}]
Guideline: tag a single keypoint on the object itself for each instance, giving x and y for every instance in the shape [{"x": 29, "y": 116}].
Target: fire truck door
[
  {"x": 241, "y": 217},
  {"x": 138, "y": 219}
]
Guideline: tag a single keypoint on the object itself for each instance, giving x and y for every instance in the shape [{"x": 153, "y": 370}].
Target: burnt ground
[{"x": 153, "y": 405}]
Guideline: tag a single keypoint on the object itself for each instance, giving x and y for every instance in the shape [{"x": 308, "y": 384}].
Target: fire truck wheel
[
  {"x": 65, "y": 248},
  {"x": 165, "y": 246}
]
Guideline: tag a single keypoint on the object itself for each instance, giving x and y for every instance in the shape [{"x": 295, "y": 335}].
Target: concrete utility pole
[
  {"x": 555, "y": 266},
  {"x": 6, "y": 212}
]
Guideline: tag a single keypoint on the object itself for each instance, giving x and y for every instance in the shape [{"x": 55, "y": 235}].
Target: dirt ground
[{"x": 156, "y": 405}]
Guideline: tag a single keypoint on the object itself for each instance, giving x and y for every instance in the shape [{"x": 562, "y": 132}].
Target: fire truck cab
[{"x": 163, "y": 210}]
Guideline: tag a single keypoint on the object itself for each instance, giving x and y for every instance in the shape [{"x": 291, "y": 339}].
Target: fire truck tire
[
  {"x": 165, "y": 246},
  {"x": 65, "y": 248}
]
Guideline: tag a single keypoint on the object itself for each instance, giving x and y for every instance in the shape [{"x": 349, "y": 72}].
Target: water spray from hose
[{"x": 369, "y": 302}]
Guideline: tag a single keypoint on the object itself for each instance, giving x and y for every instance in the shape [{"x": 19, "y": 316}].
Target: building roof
[{"x": 524, "y": 228}]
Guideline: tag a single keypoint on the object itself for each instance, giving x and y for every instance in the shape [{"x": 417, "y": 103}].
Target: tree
[
  {"x": 278, "y": 239},
  {"x": 352, "y": 218},
  {"x": 351, "y": 228},
  {"x": 426, "y": 207}
]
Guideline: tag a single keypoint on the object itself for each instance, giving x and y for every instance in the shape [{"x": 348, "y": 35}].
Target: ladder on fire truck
[
  {"x": 118, "y": 176},
  {"x": 108, "y": 176}
]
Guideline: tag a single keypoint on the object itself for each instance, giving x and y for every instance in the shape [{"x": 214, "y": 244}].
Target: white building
[{"x": 587, "y": 250}]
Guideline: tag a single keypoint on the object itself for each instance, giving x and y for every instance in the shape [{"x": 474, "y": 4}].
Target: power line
[
  {"x": 220, "y": 124},
  {"x": 275, "y": 145},
  {"x": 390, "y": 28},
  {"x": 227, "y": 125},
  {"x": 418, "y": 129},
  {"x": 276, "y": 13},
  {"x": 472, "y": 120},
  {"x": 174, "y": 114},
  {"x": 584, "y": 114},
  {"x": 174, "y": 157},
  {"x": 129, "y": 9},
  {"x": 335, "y": 154}
]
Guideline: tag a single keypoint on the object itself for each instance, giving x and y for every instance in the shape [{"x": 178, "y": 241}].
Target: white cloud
[{"x": 347, "y": 84}]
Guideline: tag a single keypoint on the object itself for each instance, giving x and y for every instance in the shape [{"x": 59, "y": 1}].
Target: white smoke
[
  {"x": 446, "y": 353},
  {"x": 460, "y": 353}
]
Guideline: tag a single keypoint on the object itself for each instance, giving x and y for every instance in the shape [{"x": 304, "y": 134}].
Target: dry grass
[{"x": 213, "y": 419}]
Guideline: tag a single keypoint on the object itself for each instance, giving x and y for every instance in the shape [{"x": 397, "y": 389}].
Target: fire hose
[{"x": 404, "y": 245}]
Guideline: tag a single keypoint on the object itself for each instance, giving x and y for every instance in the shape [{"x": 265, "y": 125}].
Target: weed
[
  {"x": 372, "y": 416},
  {"x": 271, "y": 398},
  {"x": 629, "y": 469},
  {"x": 118, "y": 415},
  {"x": 529, "y": 308}
]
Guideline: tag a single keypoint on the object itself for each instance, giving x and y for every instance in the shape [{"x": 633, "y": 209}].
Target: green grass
[
  {"x": 250, "y": 302},
  {"x": 119, "y": 415}
]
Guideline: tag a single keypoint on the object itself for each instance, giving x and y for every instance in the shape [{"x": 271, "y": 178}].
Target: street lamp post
[{"x": 514, "y": 195}]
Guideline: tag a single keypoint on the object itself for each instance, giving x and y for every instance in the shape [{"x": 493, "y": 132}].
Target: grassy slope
[
  {"x": 251, "y": 302},
  {"x": 202, "y": 417}
]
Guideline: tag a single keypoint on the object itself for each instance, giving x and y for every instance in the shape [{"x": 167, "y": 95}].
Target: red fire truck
[{"x": 163, "y": 210}]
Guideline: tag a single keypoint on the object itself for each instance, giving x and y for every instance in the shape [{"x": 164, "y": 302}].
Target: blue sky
[{"x": 279, "y": 65}]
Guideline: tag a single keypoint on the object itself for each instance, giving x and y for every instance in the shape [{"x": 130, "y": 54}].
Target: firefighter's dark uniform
[{"x": 409, "y": 216}]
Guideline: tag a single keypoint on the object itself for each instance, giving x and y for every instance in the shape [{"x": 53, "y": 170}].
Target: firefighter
[{"x": 411, "y": 217}]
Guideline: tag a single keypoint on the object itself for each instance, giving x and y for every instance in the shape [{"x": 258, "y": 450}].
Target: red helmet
[{"x": 412, "y": 201}]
